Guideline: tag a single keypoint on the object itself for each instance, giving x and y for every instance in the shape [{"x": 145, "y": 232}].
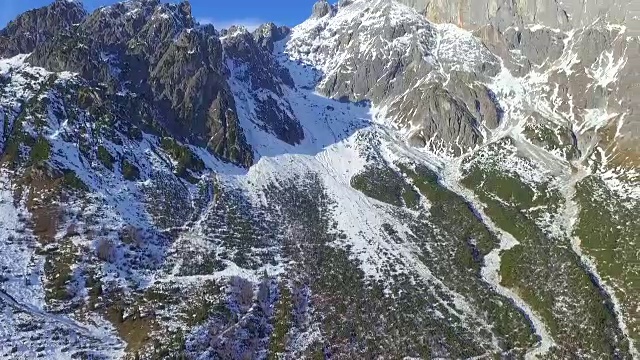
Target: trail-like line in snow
[
  {"x": 490, "y": 272},
  {"x": 29, "y": 309},
  {"x": 569, "y": 218}
]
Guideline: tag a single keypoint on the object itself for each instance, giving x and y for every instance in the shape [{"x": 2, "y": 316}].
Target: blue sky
[{"x": 219, "y": 12}]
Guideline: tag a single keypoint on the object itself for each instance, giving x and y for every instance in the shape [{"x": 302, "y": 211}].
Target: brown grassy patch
[
  {"x": 626, "y": 152},
  {"x": 43, "y": 193},
  {"x": 135, "y": 330}
]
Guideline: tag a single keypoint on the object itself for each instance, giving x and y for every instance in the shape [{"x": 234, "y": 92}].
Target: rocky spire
[
  {"x": 267, "y": 34},
  {"x": 34, "y": 27},
  {"x": 321, "y": 9},
  {"x": 184, "y": 11},
  {"x": 185, "y": 8}
]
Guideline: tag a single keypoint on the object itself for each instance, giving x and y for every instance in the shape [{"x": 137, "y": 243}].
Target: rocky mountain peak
[
  {"x": 321, "y": 8},
  {"x": 37, "y": 26},
  {"x": 268, "y": 34},
  {"x": 377, "y": 50},
  {"x": 185, "y": 8}
]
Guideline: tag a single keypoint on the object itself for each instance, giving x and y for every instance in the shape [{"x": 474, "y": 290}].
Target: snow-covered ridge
[
  {"x": 381, "y": 29},
  {"x": 387, "y": 53}
]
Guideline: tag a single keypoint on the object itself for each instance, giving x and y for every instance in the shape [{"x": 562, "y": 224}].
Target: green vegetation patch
[
  {"x": 105, "y": 157},
  {"x": 449, "y": 206},
  {"x": 72, "y": 181},
  {"x": 238, "y": 233},
  {"x": 129, "y": 171},
  {"x": 545, "y": 271},
  {"x": 552, "y": 139},
  {"x": 385, "y": 185},
  {"x": 58, "y": 271},
  {"x": 358, "y": 318},
  {"x": 609, "y": 230},
  {"x": 40, "y": 151},
  {"x": 282, "y": 322},
  {"x": 455, "y": 242},
  {"x": 16, "y": 138},
  {"x": 185, "y": 158},
  {"x": 203, "y": 304},
  {"x": 94, "y": 286}
]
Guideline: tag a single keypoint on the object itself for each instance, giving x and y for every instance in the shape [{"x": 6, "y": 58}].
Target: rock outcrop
[
  {"x": 35, "y": 27},
  {"x": 502, "y": 14},
  {"x": 321, "y": 9},
  {"x": 159, "y": 53},
  {"x": 383, "y": 52}
]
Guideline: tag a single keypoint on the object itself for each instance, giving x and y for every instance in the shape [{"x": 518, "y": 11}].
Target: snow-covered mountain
[{"x": 375, "y": 182}]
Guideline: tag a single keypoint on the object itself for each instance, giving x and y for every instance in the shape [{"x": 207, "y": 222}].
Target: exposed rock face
[
  {"x": 321, "y": 9},
  {"x": 505, "y": 13},
  {"x": 589, "y": 67},
  {"x": 191, "y": 78},
  {"x": 35, "y": 27},
  {"x": 590, "y": 73},
  {"x": 159, "y": 53},
  {"x": 376, "y": 51},
  {"x": 255, "y": 66},
  {"x": 436, "y": 111},
  {"x": 268, "y": 34}
]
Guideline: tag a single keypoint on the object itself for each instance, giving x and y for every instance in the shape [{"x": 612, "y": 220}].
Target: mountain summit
[{"x": 388, "y": 179}]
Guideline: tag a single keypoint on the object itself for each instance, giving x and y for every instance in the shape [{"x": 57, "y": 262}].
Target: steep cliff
[{"x": 563, "y": 15}]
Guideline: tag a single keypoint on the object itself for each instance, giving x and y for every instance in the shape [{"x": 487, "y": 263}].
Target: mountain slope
[
  {"x": 563, "y": 15},
  {"x": 368, "y": 184}
]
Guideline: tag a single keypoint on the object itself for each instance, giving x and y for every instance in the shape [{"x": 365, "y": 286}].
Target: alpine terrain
[{"x": 410, "y": 179}]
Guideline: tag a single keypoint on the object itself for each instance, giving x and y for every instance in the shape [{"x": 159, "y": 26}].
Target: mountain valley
[{"x": 386, "y": 180}]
